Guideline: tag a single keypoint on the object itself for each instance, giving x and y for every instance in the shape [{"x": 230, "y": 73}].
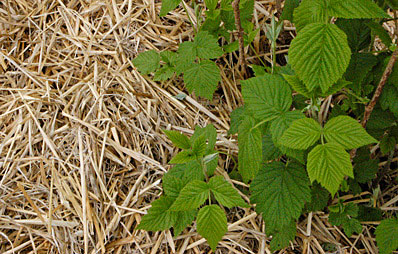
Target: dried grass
[{"x": 81, "y": 148}]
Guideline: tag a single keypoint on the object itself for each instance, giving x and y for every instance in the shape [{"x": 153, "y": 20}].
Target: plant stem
[
  {"x": 242, "y": 59},
  {"x": 257, "y": 55}
]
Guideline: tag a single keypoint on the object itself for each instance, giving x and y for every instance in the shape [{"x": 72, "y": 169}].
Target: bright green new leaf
[
  {"x": 207, "y": 46},
  {"x": 211, "y": 4},
  {"x": 183, "y": 157},
  {"x": 298, "y": 85},
  {"x": 267, "y": 96},
  {"x": 184, "y": 218},
  {"x": 282, "y": 238},
  {"x": 280, "y": 124},
  {"x": 329, "y": 164},
  {"x": 320, "y": 55},
  {"x": 280, "y": 193},
  {"x": 212, "y": 224},
  {"x": 168, "y": 5},
  {"x": 202, "y": 78},
  {"x": 178, "y": 139},
  {"x": 191, "y": 196},
  {"x": 250, "y": 153},
  {"x": 199, "y": 146},
  {"x": 310, "y": 11},
  {"x": 386, "y": 236},
  {"x": 159, "y": 216},
  {"x": 355, "y": 9},
  {"x": 147, "y": 62},
  {"x": 224, "y": 193},
  {"x": 301, "y": 134},
  {"x": 347, "y": 132}
]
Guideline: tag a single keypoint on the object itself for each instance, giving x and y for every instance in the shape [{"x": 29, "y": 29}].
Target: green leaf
[
  {"x": 212, "y": 224},
  {"x": 386, "y": 236},
  {"x": 184, "y": 218},
  {"x": 387, "y": 144},
  {"x": 366, "y": 213},
  {"x": 207, "y": 46},
  {"x": 199, "y": 146},
  {"x": 270, "y": 151},
  {"x": 388, "y": 99},
  {"x": 258, "y": 70},
  {"x": 187, "y": 172},
  {"x": 310, "y": 11},
  {"x": 191, "y": 196},
  {"x": 209, "y": 131},
  {"x": 178, "y": 139},
  {"x": 288, "y": 9},
  {"x": 329, "y": 164},
  {"x": 202, "y": 78},
  {"x": 237, "y": 116},
  {"x": 280, "y": 124},
  {"x": 159, "y": 217},
  {"x": 346, "y": 219},
  {"x": 266, "y": 96},
  {"x": 164, "y": 73},
  {"x": 355, "y": 9},
  {"x": 358, "y": 33},
  {"x": 347, "y": 132},
  {"x": 224, "y": 193},
  {"x": 340, "y": 84},
  {"x": 186, "y": 56},
  {"x": 352, "y": 226},
  {"x": 211, "y": 4},
  {"x": 319, "y": 198},
  {"x": 320, "y": 55},
  {"x": 301, "y": 134},
  {"x": 279, "y": 193},
  {"x": 378, "y": 29},
  {"x": 172, "y": 185},
  {"x": 168, "y": 5},
  {"x": 183, "y": 157},
  {"x": 282, "y": 238},
  {"x": 147, "y": 62},
  {"x": 298, "y": 85},
  {"x": 360, "y": 65},
  {"x": 169, "y": 57},
  {"x": 365, "y": 171},
  {"x": 250, "y": 152}
]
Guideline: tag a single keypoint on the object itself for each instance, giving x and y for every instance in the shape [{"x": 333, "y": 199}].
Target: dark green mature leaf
[
  {"x": 365, "y": 171},
  {"x": 358, "y": 33},
  {"x": 387, "y": 144},
  {"x": 378, "y": 29},
  {"x": 288, "y": 9},
  {"x": 320, "y": 55},
  {"x": 237, "y": 116},
  {"x": 147, "y": 62},
  {"x": 178, "y": 139},
  {"x": 191, "y": 196},
  {"x": 224, "y": 193},
  {"x": 346, "y": 219},
  {"x": 282, "y": 238},
  {"x": 279, "y": 193},
  {"x": 310, "y": 11},
  {"x": 250, "y": 151},
  {"x": 280, "y": 124},
  {"x": 347, "y": 132},
  {"x": 270, "y": 151},
  {"x": 388, "y": 99},
  {"x": 183, "y": 157},
  {"x": 207, "y": 46},
  {"x": 366, "y": 213},
  {"x": 202, "y": 78},
  {"x": 172, "y": 185},
  {"x": 298, "y": 85},
  {"x": 301, "y": 134},
  {"x": 386, "y": 236},
  {"x": 159, "y": 216},
  {"x": 168, "y": 5},
  {"x": 184, "y": 218},
  {"x": 164, "y": 73},
  {"x": 355, "y": 9},
  {"x": 360, "y": 65},
  {"x": 329, "y": 164},
  {"x": 319, "y": 198},
  {"x": 186, "y": 56},
  {"x": 212, "y": 224},
  {"x": 266, "y": 96},
  {"x": 352, "y": 226}
]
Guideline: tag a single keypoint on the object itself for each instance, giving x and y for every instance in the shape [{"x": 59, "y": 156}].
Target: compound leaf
[
  {"x": 191, "y": 196},
  {"x": 168, "y": 5},
  {"x": 212, "y": 224},
  {"x": 301, "y": 134},
  {"x": 355, "y": 9},
  {"x": 282, "y": 238},
  {"x": 224, "y": 193},
  {"x": 159, "y": 216},
  {"x": 329, "y": 164},
  {"x": 347, "y": 132},
  {"x": 147, "y": 62},
  {"x": 183, "y": 157},
  {"x": 280, "y": 193},
  {"x": 280, "y": 124},
  {"x": 310, "y": 11},
  {"x": 202, "y": 78},
  {"x": 386, "y": 236},
  {"x": 207, "y": 46},
  {"x": 184, "y": 219},
  {"x": 178, "y": 139},
  {"x": 320, "y": 55}
]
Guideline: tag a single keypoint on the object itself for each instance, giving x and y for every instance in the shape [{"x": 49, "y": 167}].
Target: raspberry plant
[{"x": 294, "y": 155}]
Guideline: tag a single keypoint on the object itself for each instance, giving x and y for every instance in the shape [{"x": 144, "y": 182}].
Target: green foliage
[
  {"x": 168, "y": 5},
  {"x": 345, "y": 216},
  {"x": 302, "y": 134},
  {"x": 179, "y": 140},
  {"x": 159, "y": 216},
  {"x": 147, "y": 62},
  {"x": 212, "y": 224},
  {"x": 224, "y": 193},
  {"x": 386, "y": 236},
  {"x": 191, "y": 196}
]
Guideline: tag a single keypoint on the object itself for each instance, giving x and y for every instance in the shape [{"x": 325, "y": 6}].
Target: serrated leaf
[
  {"x": 280, "y": 193},
  {"x": 211, "y": 4},
  {"x": 224, "y": 193},
  {"x": 202, "y": 78},
  {"x": 360, "y": 65},
  {"x": 183, "y": 157},
  {"x": 288, "y": 9},
  {"x": 191, "y": 196},
  {"x": 270, "y": 151},
  {"x": 347, "y": 132},
  {"x": 207, "y": 46},
  {"x": 266, "y": 96},
  {"x": 209, "y": 131},
  {"x": 168, "y": 5},
  {"x": 320, "y": 55},
  {"x": 378, "y": 29},
  {"x": 178, "y": 139},
  {"x": 187, "y": 172},
  {"x": 301, "y": 134},
  {"x": 352, "y": 226},
  {"x": 185, "y": 218},
  {"x": 172, "y": 185},
  {"x": 164, "y": 73},
  {"x": 212, "y": 224},
  {"x": 297, "y": 85},
  {"x": 169, "y": 57},
  {"x": 388, "y": 99},
  {"x": 282, "y": 238},
  {"x": 293, "y": 153},
  {"x": 355, "y": 9},
  {"x": 346, "y": 219},
  {"x": 186, "y": 56},
  {"x": 250, "y": 155},
  {"x": 310, "y": 11},
  {"x": 199, "y": 146},
  {"x": 386, "y": 236},
  {"x": 365, "y": 171},
  {"x": 319, "y": 198},
  {"x": 280, "y": 124},
  {"x": 366, "y": 213},
  {"x": 340, "y": 84},
  {"x": 147, "y": 62},
  {"x": 159, "y": 216},
  {"x": 387, "y": 144},
  {"x": 329, "y": 164},
  {"x": 358, "y": 33},
  {"x": 237, "y": 117}
]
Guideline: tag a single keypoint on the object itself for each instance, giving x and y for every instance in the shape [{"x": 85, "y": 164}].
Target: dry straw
[{"x": 81, "y": 148}]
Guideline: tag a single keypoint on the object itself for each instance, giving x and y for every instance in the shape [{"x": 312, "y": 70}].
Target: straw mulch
[{"x": 81, "y": 148}]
